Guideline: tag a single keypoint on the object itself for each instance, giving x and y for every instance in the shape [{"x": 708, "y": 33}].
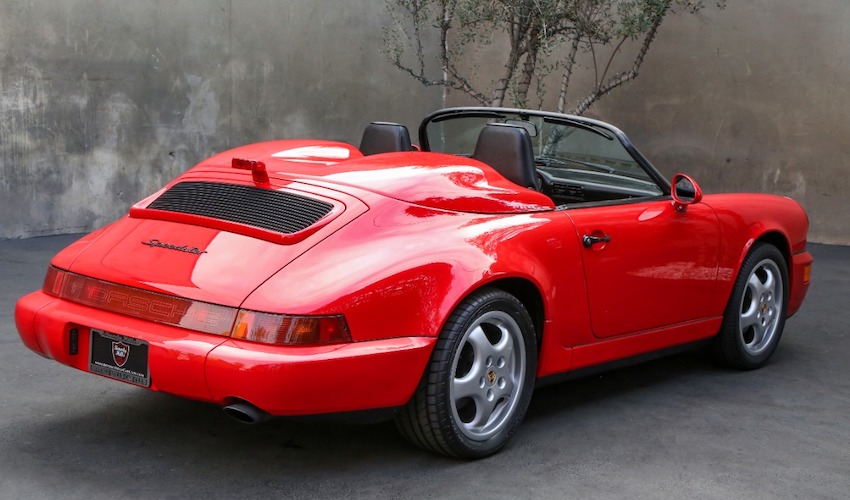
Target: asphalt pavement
[{"x": 678, "y": 427}]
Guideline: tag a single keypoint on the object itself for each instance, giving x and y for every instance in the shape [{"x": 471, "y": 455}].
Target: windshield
[{"x": 567, "y": 150}]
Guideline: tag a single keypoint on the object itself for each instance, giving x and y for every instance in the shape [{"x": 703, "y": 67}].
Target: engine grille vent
[{"x": 267, "y": 209}]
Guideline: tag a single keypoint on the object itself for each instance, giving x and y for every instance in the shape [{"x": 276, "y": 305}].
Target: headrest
[
  {"x": 384, "y": 137},
  {"x": 507, "y": 148}
]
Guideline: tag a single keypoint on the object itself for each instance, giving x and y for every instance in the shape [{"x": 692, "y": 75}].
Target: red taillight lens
[
  {"x": 290, "y": 330},
  {"x": 278, "y": 329},
  {"x": 53, "y": 281}
]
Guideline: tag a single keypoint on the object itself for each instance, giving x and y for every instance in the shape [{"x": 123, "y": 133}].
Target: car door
[{"x": 647, "y": 265}]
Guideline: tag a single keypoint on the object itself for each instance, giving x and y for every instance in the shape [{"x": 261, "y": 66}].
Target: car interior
[{"x": 575, "y": 178}]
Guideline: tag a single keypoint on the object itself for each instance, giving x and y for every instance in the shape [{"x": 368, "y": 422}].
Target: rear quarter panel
[{"x": 400, "y": 270}]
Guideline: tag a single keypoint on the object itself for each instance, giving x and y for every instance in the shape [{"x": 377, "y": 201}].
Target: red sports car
[{"x": 439, "y": 282}]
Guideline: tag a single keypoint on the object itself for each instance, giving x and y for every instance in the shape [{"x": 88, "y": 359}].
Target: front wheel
[
  {"x": 755, "y": 315},
  {"x": 478, "y": 384}
]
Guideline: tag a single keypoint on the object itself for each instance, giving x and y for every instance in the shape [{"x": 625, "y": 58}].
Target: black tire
[
  {"x": 489, "y": 342},
  {"x": 755, "y": 316}
]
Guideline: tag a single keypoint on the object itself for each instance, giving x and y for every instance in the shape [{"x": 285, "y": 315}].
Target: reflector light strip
[
  {"x": 253, "y": 326},
  {"x": 151, "y": 306}
]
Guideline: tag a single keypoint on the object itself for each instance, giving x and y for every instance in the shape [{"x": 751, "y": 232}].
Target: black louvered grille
[{"x": 272, "y": 210}]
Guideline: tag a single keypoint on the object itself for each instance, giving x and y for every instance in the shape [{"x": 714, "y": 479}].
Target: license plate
[{"x": 119, "y": 357}]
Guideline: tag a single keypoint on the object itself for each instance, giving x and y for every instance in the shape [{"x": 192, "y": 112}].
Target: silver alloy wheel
[
  {"x": 488, "y": 374},
  {"x": 761, "y": 307}
]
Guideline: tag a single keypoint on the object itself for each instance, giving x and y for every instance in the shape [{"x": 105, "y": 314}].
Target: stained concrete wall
[
  {"x": 754, "y": 97},
  {"x": 102, "y": 102}
]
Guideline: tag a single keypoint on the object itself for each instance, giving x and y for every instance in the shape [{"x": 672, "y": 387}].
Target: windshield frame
[{"x": 596, "y": 126}]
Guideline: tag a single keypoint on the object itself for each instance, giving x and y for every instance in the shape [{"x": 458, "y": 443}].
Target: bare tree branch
[
  {"x": 541, "y": 35},
  {"x": 622, "y": 78}
]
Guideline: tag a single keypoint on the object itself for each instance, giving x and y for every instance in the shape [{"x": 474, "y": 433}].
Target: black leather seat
[
  {"x": 507, "y": 148},
  {"x": 384, "y": 137}
]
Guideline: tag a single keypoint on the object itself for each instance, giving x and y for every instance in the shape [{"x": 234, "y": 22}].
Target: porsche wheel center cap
[{"x": 491, "y": 377}]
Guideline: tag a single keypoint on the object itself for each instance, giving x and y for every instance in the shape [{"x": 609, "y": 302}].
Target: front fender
[{"x": 746, "y": 219}]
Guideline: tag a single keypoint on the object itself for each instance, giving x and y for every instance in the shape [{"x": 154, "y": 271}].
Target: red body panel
[
  {"x": 427, "y": 179},
  {"x": 409, "y": 236},
  {"x": 231, "y": 267},
  {"x": 282, "y": 380},
  {"x": 658, "y": 269},
  {"x": 746, "y": 218}
]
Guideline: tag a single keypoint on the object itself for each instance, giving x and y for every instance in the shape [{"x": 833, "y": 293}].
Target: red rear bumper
[{"x": 277, "y": 379}]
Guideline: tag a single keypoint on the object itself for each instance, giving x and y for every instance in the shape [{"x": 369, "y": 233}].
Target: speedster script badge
[{"x": 180, "y": 248}]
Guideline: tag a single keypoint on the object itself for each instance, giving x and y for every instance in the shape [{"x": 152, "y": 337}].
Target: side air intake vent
[{"x": 263, "y": 208}]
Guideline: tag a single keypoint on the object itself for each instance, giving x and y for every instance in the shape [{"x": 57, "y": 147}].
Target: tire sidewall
[
  {"x": 731, "y": 338},
  {"x": 454, "y": 333}
]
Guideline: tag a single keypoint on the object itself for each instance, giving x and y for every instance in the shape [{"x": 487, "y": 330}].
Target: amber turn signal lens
[
  {"x": 807, "y": 273},
  {"x": 290, "y": 330}
]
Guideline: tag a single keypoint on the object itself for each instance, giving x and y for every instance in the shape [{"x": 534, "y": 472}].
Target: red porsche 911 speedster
[{"x": 438, "y": 282}]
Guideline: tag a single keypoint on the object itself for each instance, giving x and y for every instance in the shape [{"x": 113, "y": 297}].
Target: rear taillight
[
  {"x": 144, "y": 304},
  {"x": 53, "y": 281},
  {"x": 290, "y": 330},
  {"x": 279, "y": 329}
]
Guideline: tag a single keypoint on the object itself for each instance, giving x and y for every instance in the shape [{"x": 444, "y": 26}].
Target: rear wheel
[
  {"x": 755, "y": 315},
  {"x": 478, "y": 384}
]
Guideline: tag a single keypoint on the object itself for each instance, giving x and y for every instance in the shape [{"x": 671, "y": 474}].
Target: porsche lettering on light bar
[
  {"x": 143, "y": 304},
  {"x": 257, "y": 168},
  {"x": 265, "y": 328}
]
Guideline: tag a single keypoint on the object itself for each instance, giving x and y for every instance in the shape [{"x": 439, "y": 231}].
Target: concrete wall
[
  {"x": 102, "y": 102},
  {"x": 753, "y": 97}
]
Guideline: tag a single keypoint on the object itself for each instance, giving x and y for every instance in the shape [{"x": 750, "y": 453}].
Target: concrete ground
[{"x": 679, "y": 427}]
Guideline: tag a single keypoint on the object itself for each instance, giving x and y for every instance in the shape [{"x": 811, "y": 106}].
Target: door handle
[{"x": 588, "y": 240}]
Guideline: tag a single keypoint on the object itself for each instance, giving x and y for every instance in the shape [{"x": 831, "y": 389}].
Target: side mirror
[{"x": 685, "y": 192}]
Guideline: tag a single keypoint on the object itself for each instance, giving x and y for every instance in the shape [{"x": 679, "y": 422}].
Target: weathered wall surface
[
  {"x": 753, "y": 97},
  {"x": 102, "y": 102}
]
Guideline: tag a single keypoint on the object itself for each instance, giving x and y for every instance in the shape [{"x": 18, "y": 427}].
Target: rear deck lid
[{"x": 213, "y": 241}]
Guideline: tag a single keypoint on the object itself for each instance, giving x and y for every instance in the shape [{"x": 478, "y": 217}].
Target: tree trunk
[
  {"x": 532, "y": 46},
  {"x": 568, "y": 72}
]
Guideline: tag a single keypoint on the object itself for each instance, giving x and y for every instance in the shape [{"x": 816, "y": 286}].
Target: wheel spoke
[
  {"x": 504, "y": 348},
  {"x": 755, "y": 285},
  {"x": 750, "y": 317},
  {"x": 758, "y": 335},
  {"x": 468, "y": 386},
  {"x": 484, "y": 409},
  {"x": 770, "y": 281},
  {"x": 480, "y": 344}
]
